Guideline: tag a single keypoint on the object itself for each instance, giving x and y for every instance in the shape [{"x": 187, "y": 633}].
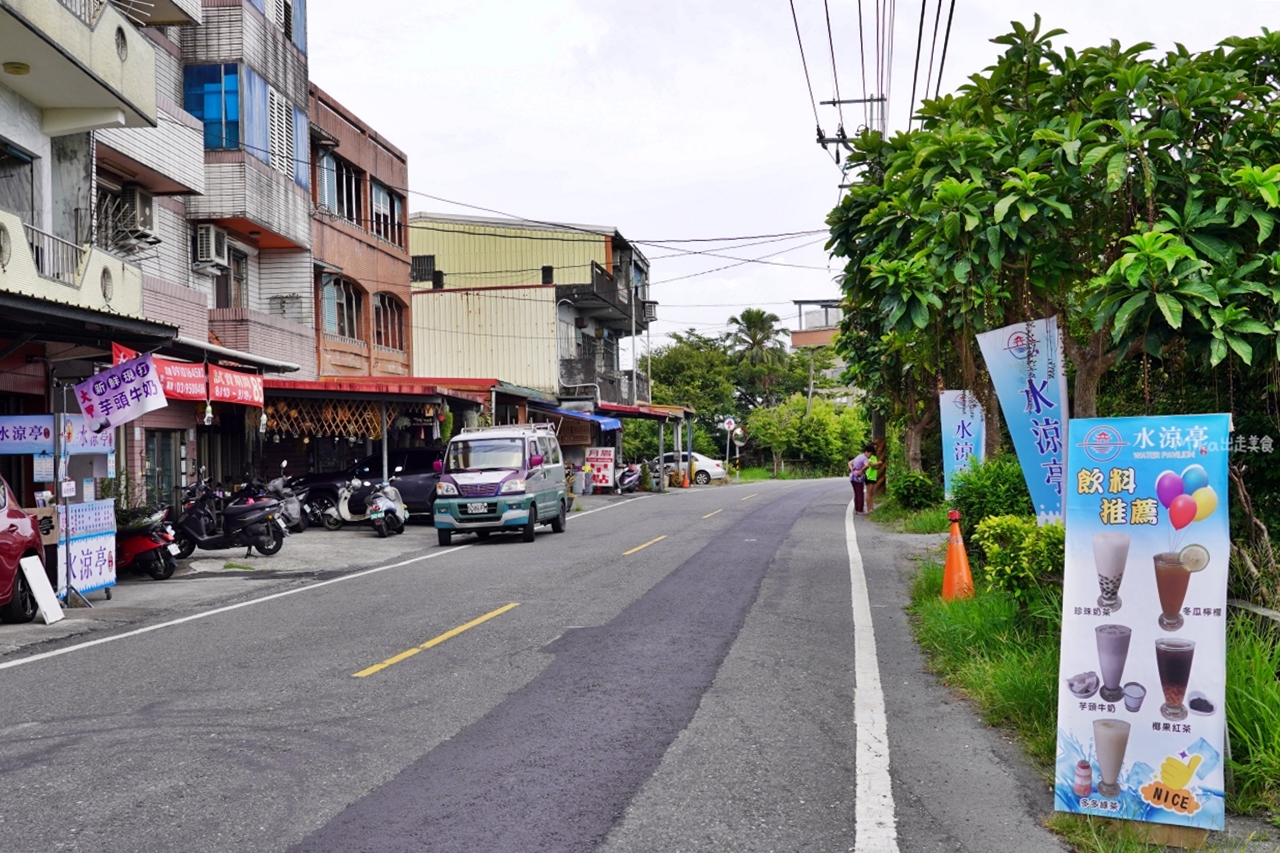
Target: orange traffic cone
[
  {"x": 957, "y": 580},
  {"x": 684, "y": 478}
]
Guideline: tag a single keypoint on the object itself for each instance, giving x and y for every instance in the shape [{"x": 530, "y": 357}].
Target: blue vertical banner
[
  {"x": 1142, "y": 669},
  {"x": 1027, "y": 368},
  {"x": 963, "y": 433}
]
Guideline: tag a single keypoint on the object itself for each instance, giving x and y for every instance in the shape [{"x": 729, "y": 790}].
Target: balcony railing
[
  {"x": 55, "y": 258},
  {"x": 85, "y": 10}
]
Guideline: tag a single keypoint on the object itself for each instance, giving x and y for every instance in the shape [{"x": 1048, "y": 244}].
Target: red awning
[
  {"x": 370, "y": 388},
  {"x": 642, "y": 412}
]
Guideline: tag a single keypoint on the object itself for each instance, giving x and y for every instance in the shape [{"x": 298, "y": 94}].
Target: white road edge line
[
  {"x": 875, "y": 827},
  {"x": 366, "y": 572}
]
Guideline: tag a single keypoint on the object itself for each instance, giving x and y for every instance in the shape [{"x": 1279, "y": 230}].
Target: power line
[
  {"x": 835, "y": 76},
  {"x": 731, "y": 266},
  {"x": 915, "y": 73},
  {"x": 862, "y": 55},
  {"x": 945, "y": 42},
  {"x": 812, "y": 101},
  {"x": 933, "y": 48}
]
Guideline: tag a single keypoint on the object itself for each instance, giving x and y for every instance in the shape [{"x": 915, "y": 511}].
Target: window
[
  {"x": 388, "y": 322},
  {"x": 326, "y": 181},
  {"x": 347, "y": 198},
  {"x": 231, "y": 288},
  {"x": 340, "y": 307},
  {"x": 282, "y": 147},
  {"x": 211, "y": 93},
  {"x": 422, "y": 267},
  {"x": 387, "y": 208}
]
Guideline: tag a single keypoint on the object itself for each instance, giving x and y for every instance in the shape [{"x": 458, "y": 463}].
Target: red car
[{"x": 19, "y": 537}]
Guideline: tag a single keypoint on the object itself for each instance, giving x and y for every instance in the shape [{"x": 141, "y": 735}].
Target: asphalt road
[{"x": 674, "y": 673}]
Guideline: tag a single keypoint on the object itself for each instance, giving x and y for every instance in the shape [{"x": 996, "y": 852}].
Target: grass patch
[
  {"x": 900, "y": 520},
  {"x": 239, "y": 567},
  {"x": 1003, "y": 654}
]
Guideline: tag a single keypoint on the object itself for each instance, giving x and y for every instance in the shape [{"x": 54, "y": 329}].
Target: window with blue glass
[{"x": 211, "y": 93}]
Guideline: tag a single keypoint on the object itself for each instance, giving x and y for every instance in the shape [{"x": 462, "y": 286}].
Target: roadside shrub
[
  {"x": 915, "y": 490},
  {"x": 1017, "y": 555},
  {"x": 994, "y": 487}
]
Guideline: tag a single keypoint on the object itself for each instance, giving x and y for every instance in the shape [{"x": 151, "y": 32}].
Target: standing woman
[
  {"x": 858, "y": 479},
  {"x": 873, "y": 476}
]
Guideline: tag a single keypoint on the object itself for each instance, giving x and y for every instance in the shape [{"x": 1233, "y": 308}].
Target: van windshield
[{"x": 485, "y": 454}]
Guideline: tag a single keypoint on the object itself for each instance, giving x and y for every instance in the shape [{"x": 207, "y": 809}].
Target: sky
[{"x": 676, "y": 120}]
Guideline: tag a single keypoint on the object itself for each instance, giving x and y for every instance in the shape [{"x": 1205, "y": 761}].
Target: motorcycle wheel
[
  {"x": 330, "y": 521},
  {"x": 186, "y": 545},
  {"x": 381, "y": 527},
  {"x": 396, "y": 523},
  {"x": 165, "y": 568},
  {"x": 277, "y": 540}
]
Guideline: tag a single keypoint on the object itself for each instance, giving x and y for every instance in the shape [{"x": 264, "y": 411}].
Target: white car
[{"x": 705, "y": 469}]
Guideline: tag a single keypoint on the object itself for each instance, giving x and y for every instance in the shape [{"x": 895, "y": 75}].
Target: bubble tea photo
[{"x": 1110, "y": 553}]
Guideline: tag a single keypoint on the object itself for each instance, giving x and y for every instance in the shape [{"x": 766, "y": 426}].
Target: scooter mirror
[
  {"x": 284, "y": 464},
  {"x": 399, "y": 468},
  {"x": 367, "y": 483}
]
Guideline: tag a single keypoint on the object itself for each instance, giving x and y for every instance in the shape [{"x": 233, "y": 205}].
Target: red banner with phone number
[{"x": 187, "y": 381}]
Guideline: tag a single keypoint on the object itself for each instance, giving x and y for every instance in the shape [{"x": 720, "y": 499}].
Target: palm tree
[
  {"x": 756, "y": 337},
  {"x": 756, "y": 341}
]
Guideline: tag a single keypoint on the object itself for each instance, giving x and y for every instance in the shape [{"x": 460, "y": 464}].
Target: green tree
[
  {"x": 756, "y": 342},
  {"x": 1126, "y": 193}
]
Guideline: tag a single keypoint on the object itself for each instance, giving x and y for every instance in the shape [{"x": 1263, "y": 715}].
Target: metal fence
[
  {"x": 85, "y": 10},
  {"x": 55, "y": 258}
]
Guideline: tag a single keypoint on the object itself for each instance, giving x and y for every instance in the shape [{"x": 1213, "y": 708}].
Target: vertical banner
[
  {"x": 963, "y": 433},
  {"x": 1026, "y": 366},
  {"x": 1143, "y": 663},
  {"x": 120, "y": 394},
  {"x": 87, "y": 546}
]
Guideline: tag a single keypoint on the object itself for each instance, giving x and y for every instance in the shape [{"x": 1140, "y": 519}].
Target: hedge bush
[
  {"x": 1018, "y": 555},
  {"x": 915, "y": 490},
  {"x": 994, "y": 487}
]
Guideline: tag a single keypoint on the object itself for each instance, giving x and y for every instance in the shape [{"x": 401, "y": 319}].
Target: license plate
[
  {"x": 376, "y": 514},
  {"x": 174, "y": 549},
  {"x": 283, "y": 526},
  {"x": 477, "y": 509}
]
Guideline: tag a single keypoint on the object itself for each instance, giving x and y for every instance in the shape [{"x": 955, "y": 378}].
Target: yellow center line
[
  {"x": 749, "y": 497},
  {"x": 641, "y": 547},
  {"x": 378, "y": 667},
  {"x": 708, "y": 515}
]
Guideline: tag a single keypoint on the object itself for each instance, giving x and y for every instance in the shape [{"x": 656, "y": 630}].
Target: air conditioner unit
[
  {"x": 650, "y": 312},
  {"x": 137, "y": 210},
  {"x": 211, "y": 245}
]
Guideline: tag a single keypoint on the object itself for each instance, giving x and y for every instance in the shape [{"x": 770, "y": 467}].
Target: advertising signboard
[
  {"x": 1143, "y": 664},
  {"x": 963, "y": 433},
  {"x": 1027, "y": 368},
  {"x": 601, "y": 461}
]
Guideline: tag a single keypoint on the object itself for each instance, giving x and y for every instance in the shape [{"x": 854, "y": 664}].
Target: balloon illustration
[
  {"x": 1206, "y": 502},
  {"x": 1194, "y": 478},
  {"x": 1182, "y": 511},
  {"x": 1169, "y": 486}
]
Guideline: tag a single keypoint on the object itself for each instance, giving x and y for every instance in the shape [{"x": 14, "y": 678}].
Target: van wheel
[
  {"x": 444, "y": 537},
  {"x": 533, "y": 520},
  {"x": 557, "y": 523}
]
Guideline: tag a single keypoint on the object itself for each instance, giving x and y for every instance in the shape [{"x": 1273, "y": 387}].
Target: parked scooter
[
  {"x": 361, "y": 493},
  {"x": 148, "y": 546},
  {"x": 627, "y": 479},
  {"x": 291, "y": 503},
  {"x": 247, "y": 522},
  {"x": 386, "y": 510}
]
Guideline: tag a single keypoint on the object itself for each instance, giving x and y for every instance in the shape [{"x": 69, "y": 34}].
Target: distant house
[{"x": 543, "y": 306}]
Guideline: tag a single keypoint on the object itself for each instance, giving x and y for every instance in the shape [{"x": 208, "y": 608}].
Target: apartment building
[{"x": 543, "y": 306}]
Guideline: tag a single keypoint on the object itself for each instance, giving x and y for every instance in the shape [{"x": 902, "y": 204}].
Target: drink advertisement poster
[
  {"x": 963, "y": 433},
  {"x": 1026, "y": 364},
  {"x": 1142, "y": 678}
]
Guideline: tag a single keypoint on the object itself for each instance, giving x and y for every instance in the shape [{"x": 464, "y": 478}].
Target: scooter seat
[{"x": 237, "y": 510}]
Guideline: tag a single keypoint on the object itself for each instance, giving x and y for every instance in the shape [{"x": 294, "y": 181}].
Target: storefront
[{"x": 329, "y": 424}]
